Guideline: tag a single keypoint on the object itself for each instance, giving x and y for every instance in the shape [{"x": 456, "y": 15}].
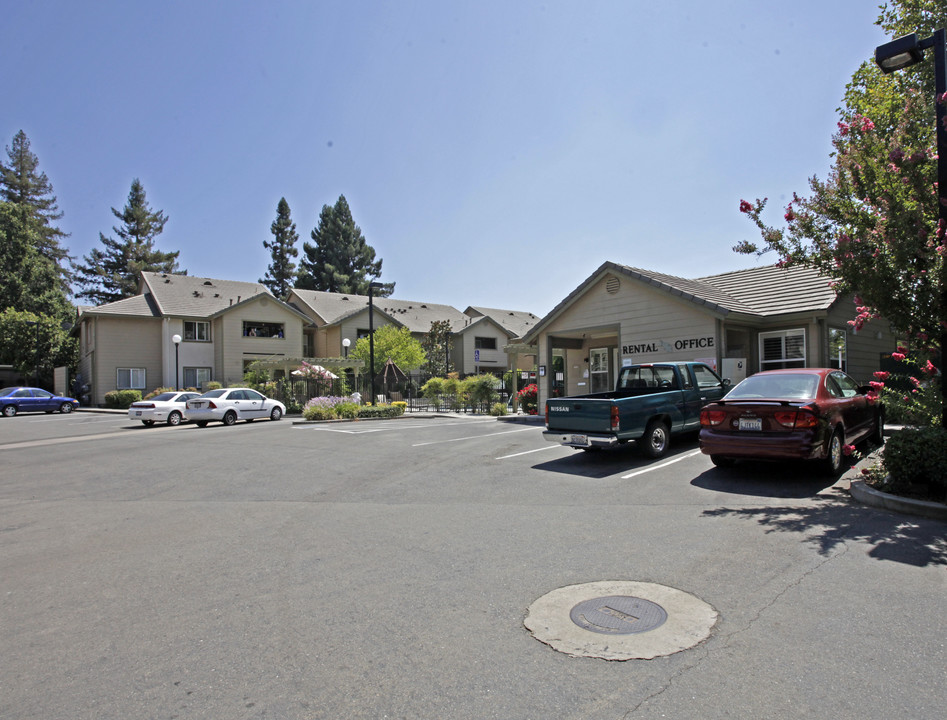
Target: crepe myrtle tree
[{"x": 873, "y": 224}]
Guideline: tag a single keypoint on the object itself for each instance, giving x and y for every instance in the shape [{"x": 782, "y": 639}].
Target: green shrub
[
  {"x": 380, "y": 411},
  {"x": 319, "y": 412},
  {"x": 212, "y": 385},
  {"x": 498, "y": 409},
  {"x": 402, "y": 404},
  {"x": 347, "y": 410},
  {"x": 917, "y": 457},
  {"x": 157, "y": 391},
  {"x": 121, "y": 399}
]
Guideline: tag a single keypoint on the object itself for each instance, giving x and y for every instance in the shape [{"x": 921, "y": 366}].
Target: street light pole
[
  {"x": 176, "y": 339},
  {"x": 897, "y": 55},
  {"x": 371, "y": 335}
]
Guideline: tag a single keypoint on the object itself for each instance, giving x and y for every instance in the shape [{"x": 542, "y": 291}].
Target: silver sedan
[{"x": 228, "y": 405}]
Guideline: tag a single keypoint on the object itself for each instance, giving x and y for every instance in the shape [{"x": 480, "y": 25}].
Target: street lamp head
[
  {"x": 899, "y": 54},
  {"x": 346, "y": 342},
  {"x": 176, "y": 339}
]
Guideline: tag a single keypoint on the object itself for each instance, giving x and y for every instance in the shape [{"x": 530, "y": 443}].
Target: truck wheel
[
  {"x": 722, "y": 462},
  {"x": 656, "y": 439}
]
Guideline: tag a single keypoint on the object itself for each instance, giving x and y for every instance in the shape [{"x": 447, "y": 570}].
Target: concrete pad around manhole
[{"x": 689, "y": 621}]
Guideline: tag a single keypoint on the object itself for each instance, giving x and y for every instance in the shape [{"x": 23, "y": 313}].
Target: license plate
[
  {"x": 755, "y": 424},
  {"x": 137, "y": 412},
  {"x": 579, "y": 440}
]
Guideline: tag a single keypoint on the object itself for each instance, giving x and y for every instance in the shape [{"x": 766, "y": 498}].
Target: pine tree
[
  {"x": 281, "y": 272},
  {"x": 340, "y": 261},
  {"x": 28, "y": 280},
  {"x": 112, "y": 274},
  {"x": 22, "y": 185}
]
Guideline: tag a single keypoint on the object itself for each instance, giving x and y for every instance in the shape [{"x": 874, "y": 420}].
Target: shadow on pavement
[{"x": 762, "y": 479}]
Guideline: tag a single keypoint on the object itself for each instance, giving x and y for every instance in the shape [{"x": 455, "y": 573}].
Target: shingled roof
[
  {"x": 515, "y": 322},
  {"x": 762, "y": 292},
  {"x": 191, "y": 296},
  {"x": 416, "y": 316}
]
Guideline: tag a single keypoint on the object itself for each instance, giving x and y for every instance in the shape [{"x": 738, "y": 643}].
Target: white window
[
  {"x": 783, "y": 349},
  {"x": 130, "y": 378},
  {"x": 195, "y": 377},
  {"x": 197, "y": 330}
]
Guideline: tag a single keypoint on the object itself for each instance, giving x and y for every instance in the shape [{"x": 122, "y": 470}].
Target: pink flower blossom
[
  {"x": 875, "y": 385},
  {"x": 848, "y": 449},
  {"x": 929, "y": 369},
  {"x": 867, "y": 125},
  {"x": 882, "y": 374},
  {"x": 897, "y": 356},
  {"x": 843, "y": 128},
  {"x": 745, "y": 207}
]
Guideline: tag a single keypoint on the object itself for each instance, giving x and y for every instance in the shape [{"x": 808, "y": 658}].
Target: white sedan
[
  {"x": 167, "y": 407},
  {"x": 228, "y": 405}
]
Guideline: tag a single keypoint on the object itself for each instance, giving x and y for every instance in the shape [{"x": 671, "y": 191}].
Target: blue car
[{"x": 30, "y": 399}]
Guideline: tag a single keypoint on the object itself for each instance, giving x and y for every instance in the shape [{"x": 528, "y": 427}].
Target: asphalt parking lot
[{"x": 385, "y": 570}]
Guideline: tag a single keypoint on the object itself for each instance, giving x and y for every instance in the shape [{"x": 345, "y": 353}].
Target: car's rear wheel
[
  {"x": 174, "y": 418},
  {"x": 147, "y": 423},
  {"x": 832, "y": 465},
  {"x": 201, "y": 423},
  {"x": 656, "y": 439},
  {"x": 65, "y": 408},
  {"x": 722, "y": 462},
  {"x": 276, "y": 414},
  {"x": 9, "y": 411},
  {"x": 230, "y": 417}
]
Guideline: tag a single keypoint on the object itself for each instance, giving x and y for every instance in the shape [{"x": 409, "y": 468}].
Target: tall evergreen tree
[
  {"x": 29, "y": 282},
  {"x": 112, "y": 274},
  {"x": 340, "y": 260},
  {"x": 21, "y": 184},
  {"x": 281, "y": 272}
]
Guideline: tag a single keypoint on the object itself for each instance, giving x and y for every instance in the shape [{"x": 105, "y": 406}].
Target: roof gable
[
  {"x": 191, "y": 296},
  {"x": 762, "y": 292},
  {"x": 332, "y": 308}
]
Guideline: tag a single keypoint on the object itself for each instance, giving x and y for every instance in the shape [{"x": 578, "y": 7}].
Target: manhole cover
[{"x": 618, "y": 615}]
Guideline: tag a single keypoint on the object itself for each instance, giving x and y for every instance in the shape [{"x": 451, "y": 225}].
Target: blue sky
[{"x": 493, "y": 153}]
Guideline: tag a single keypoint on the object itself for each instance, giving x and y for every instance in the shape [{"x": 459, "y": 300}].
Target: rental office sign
[{"x": 667, "y": 346}]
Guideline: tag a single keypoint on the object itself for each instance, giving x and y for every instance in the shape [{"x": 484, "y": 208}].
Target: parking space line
[
  {"x": 471, "y": 437},
  {"x": 662, "y": 465},
  {"x": 527, "y": 452}
]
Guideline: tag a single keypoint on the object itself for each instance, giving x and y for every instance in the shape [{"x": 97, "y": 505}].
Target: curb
[{"x": 875, "y": 498}]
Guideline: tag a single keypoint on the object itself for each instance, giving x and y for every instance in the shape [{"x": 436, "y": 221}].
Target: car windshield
[
  {"x": 213, "y": 393},
  {"x": 164, "y": 397},
  {"x": 802, "y": 386}
]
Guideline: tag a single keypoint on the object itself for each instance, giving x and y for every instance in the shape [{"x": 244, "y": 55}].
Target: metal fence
[{"x": 296, "y": 392}]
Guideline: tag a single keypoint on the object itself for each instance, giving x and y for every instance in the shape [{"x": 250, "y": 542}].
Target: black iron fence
[{"x": 295, "y": 392}]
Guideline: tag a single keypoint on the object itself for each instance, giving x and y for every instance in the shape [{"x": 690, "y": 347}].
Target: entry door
[{"x": 598, "y": 370}]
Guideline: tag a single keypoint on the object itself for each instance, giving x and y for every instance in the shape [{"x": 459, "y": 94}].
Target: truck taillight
[
  {"x": 710, "y": 418},
  {"x": 614, "y": 417},
  {"x": 547, "y": 416}
]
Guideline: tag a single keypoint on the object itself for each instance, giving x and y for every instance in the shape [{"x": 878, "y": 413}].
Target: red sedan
[{"x": 799, "y": 414}]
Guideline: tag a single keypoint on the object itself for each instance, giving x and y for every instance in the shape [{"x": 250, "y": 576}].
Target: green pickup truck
[{"x": 650, "y": 403}]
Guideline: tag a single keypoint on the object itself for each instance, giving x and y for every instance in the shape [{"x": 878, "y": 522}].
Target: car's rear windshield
[
  {"x": 6, "y": 391},
  {"x": 790, "y": 387},
  {"x": 214, "y": 393},
  {"x": 164, "y": 397}
]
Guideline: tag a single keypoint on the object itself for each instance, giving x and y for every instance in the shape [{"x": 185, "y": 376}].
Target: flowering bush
[
  {"x": 329, "y": 408},
  {"x": 528, "y": 398}
]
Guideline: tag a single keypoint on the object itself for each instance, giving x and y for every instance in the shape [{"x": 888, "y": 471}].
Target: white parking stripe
[
  {"x": 470, "y": 437},
  {"x": 527, "y": 452},
  {"x": 662, "y": 465}
]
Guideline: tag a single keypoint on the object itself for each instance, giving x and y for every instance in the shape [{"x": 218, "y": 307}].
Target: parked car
[
  {"x": 805, "y": 413},
  {"x": 167, "y": 407},
  {"x": 228, "y": 405},
  {"x": 31, "y": 399}
]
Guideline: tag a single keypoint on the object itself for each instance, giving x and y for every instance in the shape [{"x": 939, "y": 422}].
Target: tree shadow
[{"x": 833, "y": 518}]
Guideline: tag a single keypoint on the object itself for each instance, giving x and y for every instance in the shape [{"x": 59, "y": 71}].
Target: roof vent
[
  {"x": 197, "y": 294},
  {"x": 612, "y": 285},
  {"x": 167, "y": 280},
  {"x": 208, "y": 282},
  {"x": 216, "y": 294}
]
